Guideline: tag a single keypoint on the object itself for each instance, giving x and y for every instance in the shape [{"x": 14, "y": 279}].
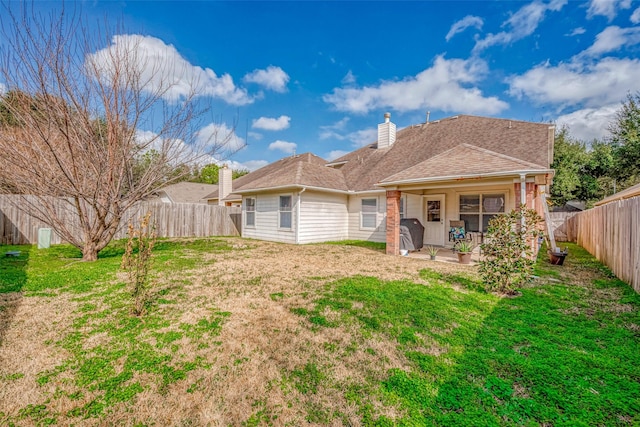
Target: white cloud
[
  {"x": 284, "y": 146},
  {"x": 363, "y": 137},
  {"x": 608, "y": 8},
  {"x": 613, "y": 38},
  {"x": 220, "y": 138},
  {"x": 635, "y": 16},
  {"x": 252, "y": 165},
  {"x": 267, "y": 123},
  {"x": 589, "y": 123},
  {"x": 441, "y": 87},
  {"x": 521, "y": 24},
  {"x": 163, "y": 70},
  {"x": 3, "y": 88},
  {"x": 175, "y": 150},
  {"x": 273, "y": 78},
  {"x": 335, "y": 154},
  {"x": 463, "y": 24},
  {"x": 349, "y": 78},
  {"x": 576, "y": 32},
  {"x": 358, "y": 138},
  {"x": 591, "y": 85},
  {"x": 255, "y": 135},
  {"x": 333, "y": 131}
]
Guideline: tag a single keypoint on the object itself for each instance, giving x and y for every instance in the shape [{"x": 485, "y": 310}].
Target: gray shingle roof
[
  {"x": 530, "y": 142},
  {"x": 295, "y": 171},
  {"x": 463, "y": 160},
  {"x": 461, "y": 146}
]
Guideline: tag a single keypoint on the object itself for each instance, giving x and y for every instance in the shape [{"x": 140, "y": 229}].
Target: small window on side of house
[
  {"x": 285, "y": 212},
  {"x": 250, "y": 212},
  {"x": 369, "y": 213}
]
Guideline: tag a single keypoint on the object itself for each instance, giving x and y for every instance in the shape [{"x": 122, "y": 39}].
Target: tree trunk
[{"x": 89, "y": 252}]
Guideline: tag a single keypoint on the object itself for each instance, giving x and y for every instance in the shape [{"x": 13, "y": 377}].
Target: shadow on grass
[
  {"x": 560, "y": 354},
  {"x": 13, "y": 277},
  {"x": 565, "y": 352}
]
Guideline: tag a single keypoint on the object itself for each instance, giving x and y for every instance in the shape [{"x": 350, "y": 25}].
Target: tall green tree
[
  {"x": 597, "y": 173},
  {"x": 208, "y": 174},
  {"x": 569, "y": 158},
  {"x": 625, "y": 137}
]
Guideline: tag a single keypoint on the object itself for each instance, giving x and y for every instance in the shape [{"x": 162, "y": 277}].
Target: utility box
[{"x": 44, "y": 238}]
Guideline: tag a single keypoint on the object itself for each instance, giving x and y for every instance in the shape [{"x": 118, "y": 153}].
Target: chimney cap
[{"x": 387, "y": 116}]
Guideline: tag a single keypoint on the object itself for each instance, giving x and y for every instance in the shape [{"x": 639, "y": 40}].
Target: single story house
[
  {"x": 184, "y": 192},
  {"x": 461, "y": 168}
]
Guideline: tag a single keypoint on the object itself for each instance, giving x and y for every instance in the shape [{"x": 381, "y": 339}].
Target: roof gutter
[
  {"x": 463, "y": 177},
  {"x": 291, "y": 187}
]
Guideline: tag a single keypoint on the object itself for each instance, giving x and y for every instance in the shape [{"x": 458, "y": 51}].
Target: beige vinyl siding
[
  {"x": 413, "y": 205},
  {"x": 452, "y": 202},
  {"x": 356, "y": 232},
  {"x": 267, "y": 227},
  {"x": 323, "y": 217}
]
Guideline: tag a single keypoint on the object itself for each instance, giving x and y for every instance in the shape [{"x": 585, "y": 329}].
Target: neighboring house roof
[
  {"x": 457, "y": 147},
  {"x": 570, "y": 206},
  {"x": 186, "y": 192},
  {"x": 633, "y": 191}
]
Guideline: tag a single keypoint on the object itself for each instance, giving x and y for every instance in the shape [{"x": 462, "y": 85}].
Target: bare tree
[{"x": 72, "y": 118}]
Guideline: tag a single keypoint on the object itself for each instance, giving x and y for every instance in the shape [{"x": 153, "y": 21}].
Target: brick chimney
[
  {"x": 386, "y": 132},
  {"x": 224, "y": 183}
]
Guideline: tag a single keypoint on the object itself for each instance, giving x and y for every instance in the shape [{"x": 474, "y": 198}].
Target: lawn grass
[
  {"x": 123, "y": 347},
  {"x": 564, "y": 352},
  {"x": 377, "y": 246}
]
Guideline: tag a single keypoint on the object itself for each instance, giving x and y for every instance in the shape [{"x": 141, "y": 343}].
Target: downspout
[
  {"x": 523, "y": 202},
  {"x": 298, "y": 214}
]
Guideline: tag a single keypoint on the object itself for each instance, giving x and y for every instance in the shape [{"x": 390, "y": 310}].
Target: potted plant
[
  {"x": 557, "y": 257},
  {"x": 433, "y": 251},
  {"x": 464, "y": 252}
]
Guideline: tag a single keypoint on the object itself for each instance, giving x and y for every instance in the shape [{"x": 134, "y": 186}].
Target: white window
[
  {"x": 403, "y": 203},
  {"x": 477, "y": 209},
  {"x": 369, "y": 213},
  {"x": 250, "y": 212},
  {"x": 285, "y": 212}
]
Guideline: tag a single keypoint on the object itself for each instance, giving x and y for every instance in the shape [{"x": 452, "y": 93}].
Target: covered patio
[{"x": 445, "y": 255}]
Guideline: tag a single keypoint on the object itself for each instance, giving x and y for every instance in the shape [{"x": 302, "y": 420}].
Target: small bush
[
  {"x": 508, "y": 250},
  {"x": 136, "y": 261}
]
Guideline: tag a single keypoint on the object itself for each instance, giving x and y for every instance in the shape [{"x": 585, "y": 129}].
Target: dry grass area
[
  {"x": 249, "y": 333},
  {"x": 247, "y": 376}
]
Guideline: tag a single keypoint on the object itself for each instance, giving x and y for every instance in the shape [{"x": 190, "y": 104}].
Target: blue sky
[{"x": 318, "y": 76}]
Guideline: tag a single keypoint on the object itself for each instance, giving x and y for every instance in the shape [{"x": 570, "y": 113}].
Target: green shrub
[{"x": 508, "y": 250}]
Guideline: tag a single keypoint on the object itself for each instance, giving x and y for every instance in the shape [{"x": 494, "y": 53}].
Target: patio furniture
[{"x": 458, "y": 233}]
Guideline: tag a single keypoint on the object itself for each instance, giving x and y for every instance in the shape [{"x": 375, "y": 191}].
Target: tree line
[{"x": 590, "y": 171}]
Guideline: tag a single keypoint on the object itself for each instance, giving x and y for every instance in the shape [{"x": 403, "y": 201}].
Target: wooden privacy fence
[
  {"x": 611, "y": 233},
  {"x": 172, "y": 220}
]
